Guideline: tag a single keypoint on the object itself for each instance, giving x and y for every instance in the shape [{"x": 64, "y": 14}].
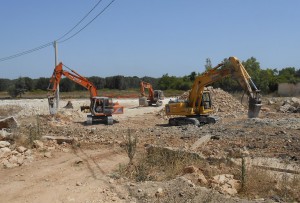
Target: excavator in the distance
[
  {"x": 154, "y": 96},
  {"x": 101, "y": 108},
  {"x": 197, "y": 108}
]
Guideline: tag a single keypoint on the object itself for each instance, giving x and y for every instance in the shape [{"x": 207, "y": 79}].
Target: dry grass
[
  {"x": 160, "y": 165},
  {"x": 267, "y": 184}
]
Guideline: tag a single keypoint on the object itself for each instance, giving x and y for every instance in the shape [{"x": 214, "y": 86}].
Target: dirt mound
[{"x": 222, "y": 101}]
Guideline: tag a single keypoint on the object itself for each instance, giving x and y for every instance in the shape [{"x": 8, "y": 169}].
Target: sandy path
[{"x": 76, "y": 176}]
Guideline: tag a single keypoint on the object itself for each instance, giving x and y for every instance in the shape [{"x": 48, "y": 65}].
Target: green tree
[
  {"x": 97, "y": 81},
  {"x": 42, "y": 83},
  {"x": 167, "y": 82},
  {"x": 5, "y": 84},
  {"x": 253, "y": 68},
  {"x": 66, "y": 85},
  {"x": 192, "y": 76},
  {"x": 288, "y": 75},
  {"x": 29, "y": 85},
  {"x": 298, "y": 73},
  {"x": 267, "y": 81},
  {"x": 18, "y": 88}
]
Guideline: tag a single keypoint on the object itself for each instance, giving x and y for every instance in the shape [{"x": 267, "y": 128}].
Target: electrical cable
[
  {"x": 79, "y": 21},
  {"x": 87, "y": 23},
  {"x": 50, "y": 43},
  {"x": 25, "y": 52}
]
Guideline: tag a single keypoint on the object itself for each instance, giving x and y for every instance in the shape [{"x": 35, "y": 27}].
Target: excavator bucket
[
  {"x": 52, "y": 105},
  {"x": 254, "y": 107}
]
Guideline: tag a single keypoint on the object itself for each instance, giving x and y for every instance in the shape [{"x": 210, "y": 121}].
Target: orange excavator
[
  {"x": 154, "y": 96},
  {"x": 101, "y": 108}
]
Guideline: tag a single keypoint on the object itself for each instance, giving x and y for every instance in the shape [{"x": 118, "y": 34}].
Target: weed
[
  {"x": 264, "y": 183},
  {"x": 34, "y": 132},
  {"x": 161, "y": 164},
  {"x": 130, "y": 146}
]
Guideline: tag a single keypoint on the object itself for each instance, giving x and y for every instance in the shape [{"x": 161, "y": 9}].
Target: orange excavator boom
[
  {"x": 74, "y": 76},
  {"x": 146, "y": 85}
]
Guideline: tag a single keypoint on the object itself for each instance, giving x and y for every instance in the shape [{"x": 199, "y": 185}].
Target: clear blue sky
[{"x": 154, "y": 37}]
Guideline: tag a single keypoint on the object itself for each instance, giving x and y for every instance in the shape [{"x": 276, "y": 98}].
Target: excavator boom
[{"x": 74, "y": 76}]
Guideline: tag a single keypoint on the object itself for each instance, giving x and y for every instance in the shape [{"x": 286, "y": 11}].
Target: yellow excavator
[{"x": 197, "y": 108}]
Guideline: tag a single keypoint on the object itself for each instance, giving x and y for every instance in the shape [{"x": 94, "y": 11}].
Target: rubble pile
[
  {"x": 11, "y": 156},
  {"x": 285, "y": 105},
  {"x": 226, "y": 184},
  {"x": 221, "y": 101},
  {"x": 224, "y": 102}
]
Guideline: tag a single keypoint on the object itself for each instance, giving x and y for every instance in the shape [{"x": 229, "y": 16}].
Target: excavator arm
[
  {"x": 146, "y": 85},
  {"x": 74, "y": 76}
]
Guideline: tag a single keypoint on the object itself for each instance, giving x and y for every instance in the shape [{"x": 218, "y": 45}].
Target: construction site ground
[{"x": 89, "y": 168}]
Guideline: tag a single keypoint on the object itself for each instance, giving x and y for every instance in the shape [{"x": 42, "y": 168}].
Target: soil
[{"x": 87, "y": 169}]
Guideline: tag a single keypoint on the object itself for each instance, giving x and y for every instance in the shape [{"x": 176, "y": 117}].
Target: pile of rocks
[
  {"x": 221, "y": 101},
  {"x": 11, "y": 157},
  {"x": 225, "y": 102},
  {"x": 285, "y": 105}
]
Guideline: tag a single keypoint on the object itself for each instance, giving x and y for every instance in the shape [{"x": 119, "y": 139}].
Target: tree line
[
  {"x": 19, "y": 86},
  {"x": 266, "y": 80}
]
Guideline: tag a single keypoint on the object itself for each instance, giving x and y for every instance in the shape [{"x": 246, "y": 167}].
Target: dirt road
[{"x": 76, "y": 176}]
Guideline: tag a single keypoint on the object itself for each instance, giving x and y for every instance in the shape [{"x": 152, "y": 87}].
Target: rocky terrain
[{"x": 59, "y": 158}]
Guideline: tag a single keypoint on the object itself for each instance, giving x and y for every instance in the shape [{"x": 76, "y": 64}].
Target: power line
[
  {"x": 79, "y": 21},
  {"x": 50, "y": 43},
  {"x": 26, "y": 52},
  {"x": 87, "y": 23}
]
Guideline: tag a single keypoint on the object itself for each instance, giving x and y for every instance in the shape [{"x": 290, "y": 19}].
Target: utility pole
[{"x": 57, "y": 91}]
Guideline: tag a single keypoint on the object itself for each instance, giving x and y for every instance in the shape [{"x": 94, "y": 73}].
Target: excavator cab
[
  {"x": 101, "y": 109},
  {"x": 159, "y": 95},
  {"x": 101, "y": 106},
  {"x": 206, "y": 101}
]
